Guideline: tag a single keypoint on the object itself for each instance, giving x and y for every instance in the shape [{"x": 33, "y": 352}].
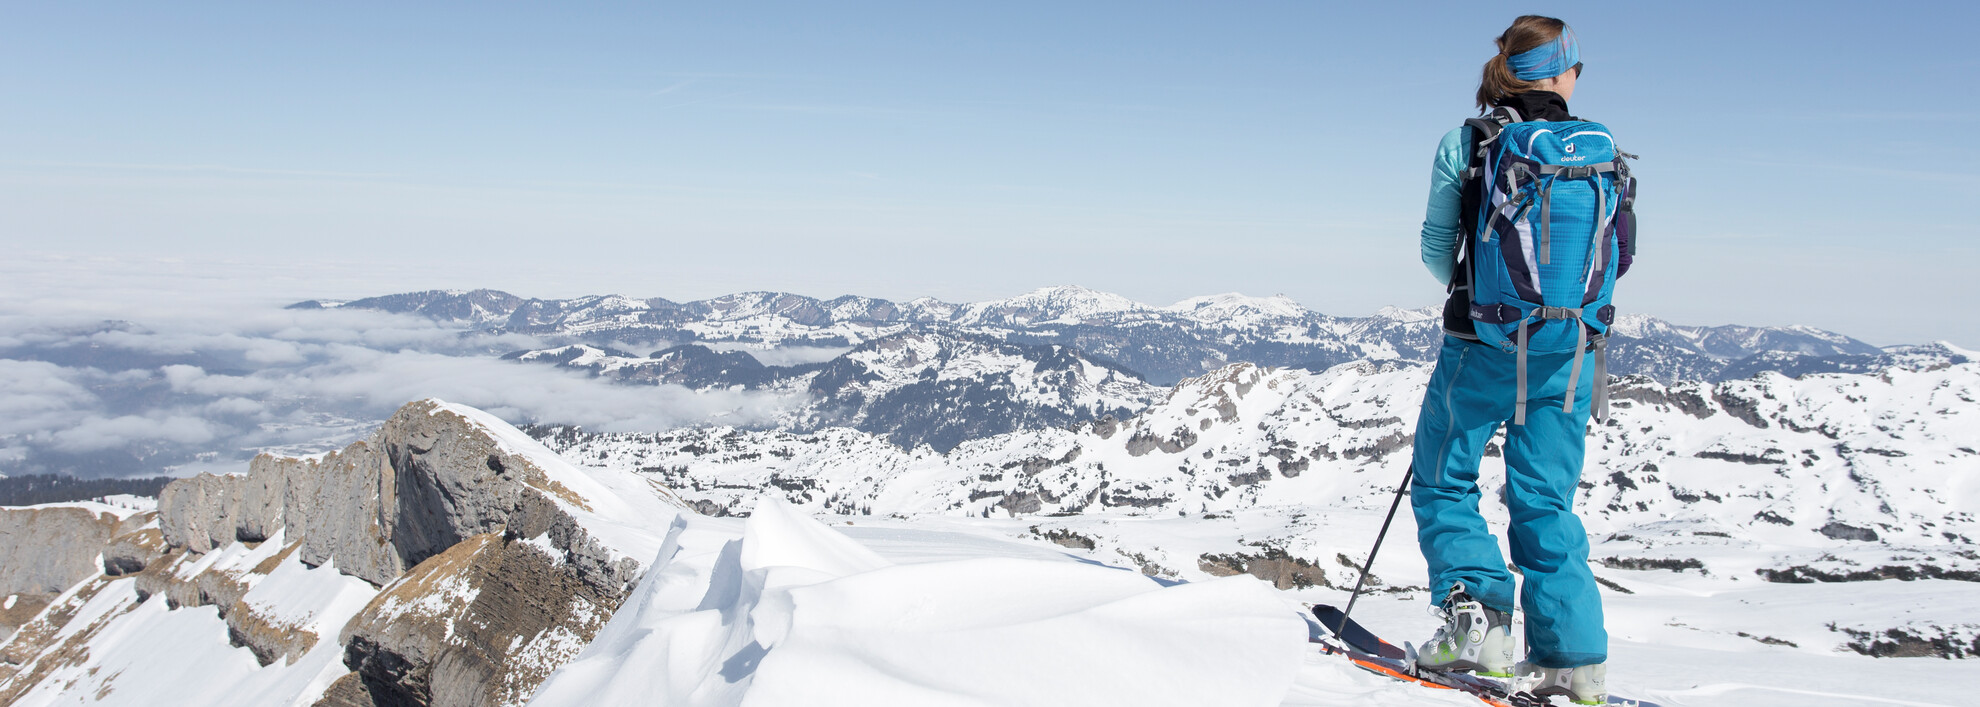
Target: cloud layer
[{"x": 192, "y": 380}]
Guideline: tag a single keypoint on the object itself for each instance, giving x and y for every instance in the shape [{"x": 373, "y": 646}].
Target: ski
[
  {"x": 1340, "y": 635},
  {"x": 1353, "y": 634}
]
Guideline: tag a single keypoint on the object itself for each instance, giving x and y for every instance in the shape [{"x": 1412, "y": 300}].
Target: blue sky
[{"x": 1802, "y": 162}]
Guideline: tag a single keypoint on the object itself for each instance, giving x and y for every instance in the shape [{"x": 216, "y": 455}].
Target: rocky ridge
[
  {"x": 472, "y": 562},
  {"x": 45, "y": 550}
]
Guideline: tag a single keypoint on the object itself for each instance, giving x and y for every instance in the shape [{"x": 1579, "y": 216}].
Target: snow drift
[{"x": 794, "y": 613}]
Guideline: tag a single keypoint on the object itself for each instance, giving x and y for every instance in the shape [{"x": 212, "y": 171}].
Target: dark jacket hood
[{"x": 1538, "y": 105}]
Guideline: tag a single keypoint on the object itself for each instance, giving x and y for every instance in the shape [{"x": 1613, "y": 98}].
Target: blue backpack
[{"x": 1543, "y": 244}]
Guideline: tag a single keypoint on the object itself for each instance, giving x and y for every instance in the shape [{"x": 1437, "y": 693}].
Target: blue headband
[{"x": 1547, "y": 60}]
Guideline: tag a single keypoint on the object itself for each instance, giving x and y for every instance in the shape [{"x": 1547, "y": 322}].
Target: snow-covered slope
[
  {"x": 1873, "y": 452},
  {"x": 792, "y": 612},
  {"x": 914, "y": 388},
  {"x": 1283, "y": 474}
]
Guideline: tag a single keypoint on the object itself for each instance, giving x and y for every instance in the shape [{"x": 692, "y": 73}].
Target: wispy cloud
[{"x": 676, "y": 86}]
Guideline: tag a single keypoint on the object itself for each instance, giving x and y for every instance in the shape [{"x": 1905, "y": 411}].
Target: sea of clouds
[{"x": 123, "y": 367}]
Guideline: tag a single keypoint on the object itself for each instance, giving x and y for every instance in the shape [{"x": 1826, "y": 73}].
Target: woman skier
[{"x": 1471, "y": 394}]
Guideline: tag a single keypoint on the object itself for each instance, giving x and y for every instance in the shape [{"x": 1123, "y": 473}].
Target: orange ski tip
[{"x": 1406, "y": 677}]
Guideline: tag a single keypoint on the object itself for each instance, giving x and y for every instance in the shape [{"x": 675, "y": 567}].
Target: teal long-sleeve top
[{"x": 1440, "y": 219}]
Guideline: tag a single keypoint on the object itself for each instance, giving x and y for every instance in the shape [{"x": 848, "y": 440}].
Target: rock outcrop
[
  {"x": 447, "y": 559},
  {"x": 480, "y": 624},
  {"x": 47, "y": 549},
  {"x": 426, "y": 481},
  {"x": 484, "y": 543}
]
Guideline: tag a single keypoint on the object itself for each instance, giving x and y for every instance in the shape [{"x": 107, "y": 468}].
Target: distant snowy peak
[
  {"x": 1733, "y": 341},
  {"x": 575, "y": 356},
  {"x": 474, "y": 307},
  {"x": 1410, "y": 316},
  {"x": 1063, "y": 304},
  {"x": 1239, "y": 309},
  {"x": 929, "y": 309},
  {"x": 749, "y": 305},
  {"x": 612, "y": 304}
]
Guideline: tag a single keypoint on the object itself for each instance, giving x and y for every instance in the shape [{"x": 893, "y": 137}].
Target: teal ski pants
[{"x": 1470, "y": 396}]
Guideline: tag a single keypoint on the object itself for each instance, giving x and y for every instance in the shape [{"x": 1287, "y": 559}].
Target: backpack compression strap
[{"x": 1599, "y": 400}]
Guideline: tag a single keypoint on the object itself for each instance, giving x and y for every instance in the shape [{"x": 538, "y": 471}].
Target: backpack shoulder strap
[{"x": 1484, "y": 132}]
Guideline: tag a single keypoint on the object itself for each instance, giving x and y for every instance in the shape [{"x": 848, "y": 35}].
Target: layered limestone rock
[
  {"x": 208, "y": 511},
  {"x": 131, "y": 552},
  {"x": 45, "y": 550},
  {"x": 480, "y": 624},
  {"x": 485, "y": 544},
  {"x": 494, "y": 562},
  {"x": 430, "y": 478}
]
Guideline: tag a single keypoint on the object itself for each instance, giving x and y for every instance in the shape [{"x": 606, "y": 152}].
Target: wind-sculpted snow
[{"x": 789, "y": 611}]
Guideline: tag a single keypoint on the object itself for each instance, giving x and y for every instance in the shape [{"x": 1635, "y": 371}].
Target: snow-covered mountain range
[
  {"x": 936, "y": 373},
  {"x": 1162, "y": 343},
  {"x": 938, "y": 388}
]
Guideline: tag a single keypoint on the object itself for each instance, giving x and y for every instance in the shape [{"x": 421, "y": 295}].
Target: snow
[
  {"x": 793, "y": 612},
  {"x": 1237, "y": 311},
  {"x": 1420, "y": 314},
  {"x": 148, "y": 654},
  {"x": 318, "y": 600},
  {"x": 1890, "y": 452},
  {"x": 132, "y": 502},
  {"x": 119, "y": 507},
  {"x": 550, "y": 549},
  {"x": 1066, "y": 304},
  {"x": 938, "y": 610}
]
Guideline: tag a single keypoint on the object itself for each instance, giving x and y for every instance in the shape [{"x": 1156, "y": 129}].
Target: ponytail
[{"x": 1497, "y": 82}]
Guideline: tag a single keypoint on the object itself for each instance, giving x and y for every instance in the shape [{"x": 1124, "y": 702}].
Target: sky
[{"x": 1800, "y": 161}]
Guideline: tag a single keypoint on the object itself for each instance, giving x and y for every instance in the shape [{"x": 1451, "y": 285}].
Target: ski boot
[
  {"x": 1585, "y": 685},
  {"x": 1473, "y": 639}
]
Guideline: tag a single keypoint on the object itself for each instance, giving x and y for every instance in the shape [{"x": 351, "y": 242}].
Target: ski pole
[{"x": 1400, "y": 488}]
